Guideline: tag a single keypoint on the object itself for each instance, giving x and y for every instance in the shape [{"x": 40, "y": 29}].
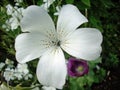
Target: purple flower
[{"x": 77, "y": 67}]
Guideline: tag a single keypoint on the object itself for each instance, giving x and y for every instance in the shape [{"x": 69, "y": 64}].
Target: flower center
[
  {"x": 80, "y": 69},
  {"x": 56, "y": 43}
]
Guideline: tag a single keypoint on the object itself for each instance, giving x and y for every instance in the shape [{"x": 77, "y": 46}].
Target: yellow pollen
[{"x": 80, "y": 69}]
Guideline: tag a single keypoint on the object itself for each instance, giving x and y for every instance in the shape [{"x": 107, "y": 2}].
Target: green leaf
[
  {"x": 86, "y": 2},
  {"x": 69, "y": 1}
]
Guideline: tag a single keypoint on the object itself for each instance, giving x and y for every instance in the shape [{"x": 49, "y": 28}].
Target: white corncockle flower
[
  {"x": 47, "y": 4},
  {"x": 41, "y": 40},
  {"x": 9, "y": 74},
  {"x": 2, "y": 65}
]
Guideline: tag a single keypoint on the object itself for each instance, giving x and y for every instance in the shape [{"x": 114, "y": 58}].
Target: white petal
[
  {"x": 69, "y": 19},
  {"x": 84, "y": 43},
  {"x": 30, "y": 46},
  {"x": 48, "y": 88},
  {"x": 36, "y": 19},
  {"x": 51, "y": 70}
]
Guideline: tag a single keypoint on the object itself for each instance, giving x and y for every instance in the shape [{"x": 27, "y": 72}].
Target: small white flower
[
  {"x": 18, "y": 75},
  {"x": 9, "y": 74},
  {"x": 14, "y": 23},
  {"x": 47, "y": 43},
  {"x": 22, "y": 71},
  {"x": 23, "y": 68},
  {"x": 9, "y": 9},
  {"x": 16, "y": 15}
]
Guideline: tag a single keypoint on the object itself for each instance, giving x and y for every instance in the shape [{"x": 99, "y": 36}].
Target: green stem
[
  {"x": 4, "y": 31},
  {"x": 59, "y": 3},
  {"x": 33, "y": 2},
  {"x": 86, "y": 12},
  {"x": 86, "y": 15},
  {"x": 54, "y": 10}
]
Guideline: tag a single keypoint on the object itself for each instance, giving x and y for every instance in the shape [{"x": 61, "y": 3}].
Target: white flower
[
  {"x": 22, "y": 71},
  {"x": 9, "y": 9},
  {"x": 13, "y": 23},
  {"x": 22, "y": 68},
  {"x": 9, "y": 74},
  {"x": 18, "y": 75},
  {"x": 9, "y": 63},
  {"x": 4, "y": 87},
  {"x": 41, "y": 40},
  {"x": 16, "y": 15}
]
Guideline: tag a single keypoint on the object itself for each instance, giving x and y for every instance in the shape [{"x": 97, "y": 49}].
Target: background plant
[{"x": 104, "y": 72}]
